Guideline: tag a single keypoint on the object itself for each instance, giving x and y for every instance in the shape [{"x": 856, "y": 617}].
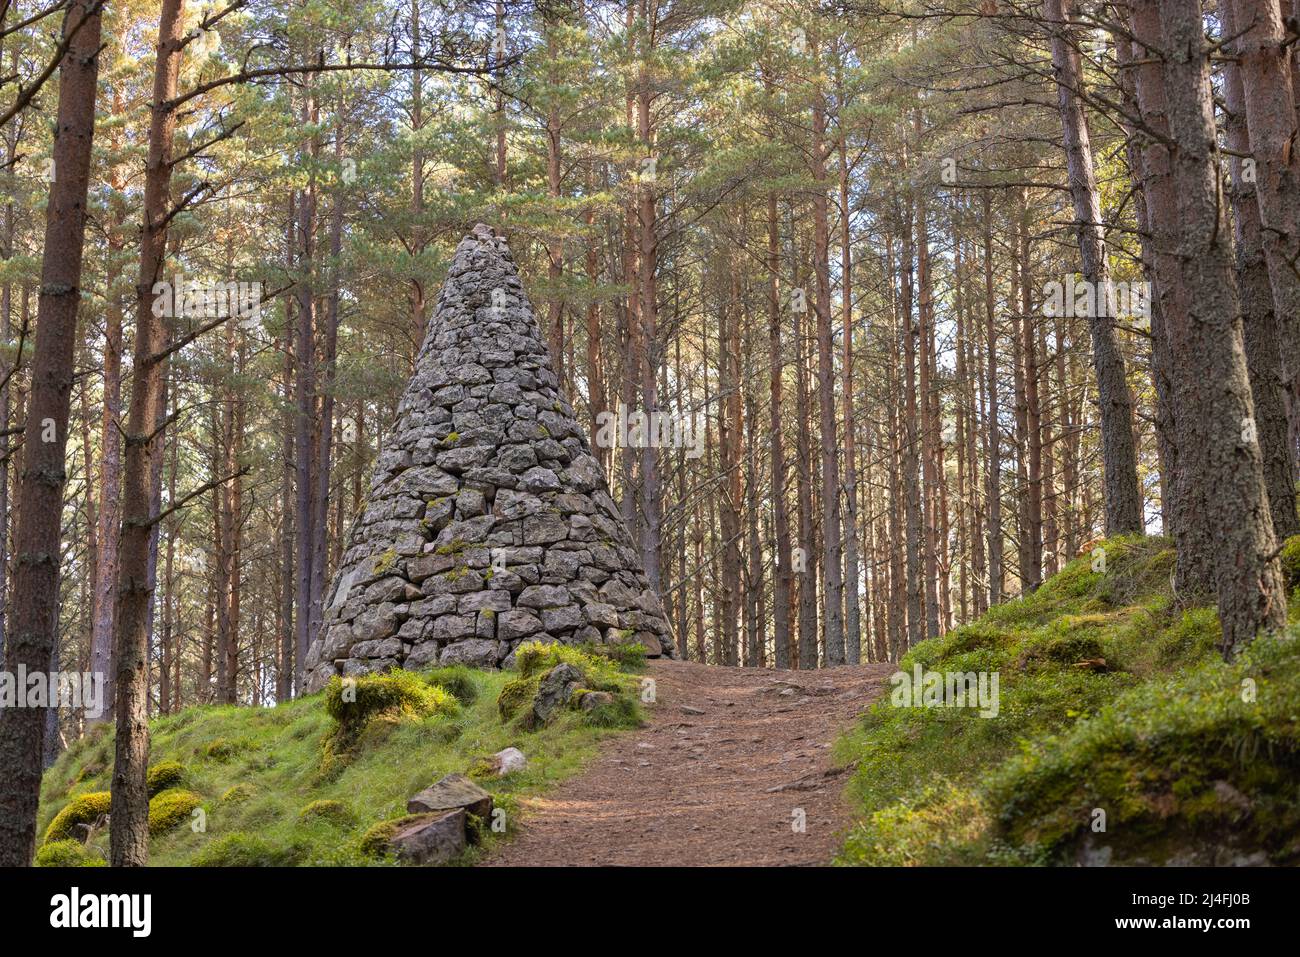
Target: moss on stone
[
  {"x": 353, "y": 703},
  {"x": 517, "y": 696},
  {"x": 375, "y": 842},
  {"x": 384, "y": 562},
  {"x": 221, "y": 749}
]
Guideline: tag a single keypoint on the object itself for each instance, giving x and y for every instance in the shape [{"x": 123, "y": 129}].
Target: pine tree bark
[
  {"x": 1223, "y": 453},
  {"x": 104, "y": 601},
  {"x": 129, "y": 835},
  {"x": 1269, "y": 88},
  {"x": 993, "y": 428},
  {"x": 910, "y": 460},
  {"x": 1263, "y": 330},
  {"x": 929, "y": 427},
  {"x": 832, "y": 557},
  {"x": 32, "y": 639},
  {"x": 852, "y": 561},
  {"x": 781, "y": 585},
  {"x": 1123, "y": 495}
]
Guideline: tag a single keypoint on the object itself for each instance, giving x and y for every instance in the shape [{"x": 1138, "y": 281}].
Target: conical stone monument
[{"x": 489, "y": 522}]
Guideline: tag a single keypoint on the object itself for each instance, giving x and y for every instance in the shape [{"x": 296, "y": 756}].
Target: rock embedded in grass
[
  {"x": 453, "y": 791},
  {"x": 431, "y": 838}
]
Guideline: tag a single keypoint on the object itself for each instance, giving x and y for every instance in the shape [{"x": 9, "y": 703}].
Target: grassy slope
[
  {"x": 1164, "y": 737},
  {"x": 273, "y": 758}
]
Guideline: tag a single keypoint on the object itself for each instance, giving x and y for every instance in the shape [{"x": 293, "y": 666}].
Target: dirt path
[{"x": 715, "y": 778}]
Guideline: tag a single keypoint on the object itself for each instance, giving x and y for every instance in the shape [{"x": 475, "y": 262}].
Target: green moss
[
  {"x": 452, "y": 438},
  {"x": 1291, "y": 561},
  {"x": 454, "y": 547},
  {"x": 1186, "y": 753},
  {"x": 164, "y": 775},
  {"x": 275, "y": 769},
  {"x": 622, "y": 711},
  {"x": 456, "y": 680},
  {"x": 67, "y": 853},
  {"x": 627, "y": 655},
  {"x": 535, "y": 659},
  {"x": 334, "y": 812},
  {"x": 1160, "y": 736},
  {"x": 354, "y": 703},
  {"x": 81, "y": 812},
  {"x": 238, "y": 793},
  {"x": 384, "y": 562},
  {"x": 374, "y": 843},
  {"x": 366, "y": 709},
  {"x": 223, "y": 750},
  {"x": 600, "y": 674},
  {"x": 248, "y": 850},
  {"x": 170, "y": 808},
  {"x": 516, "y": 696},
  {"x": 945, "y": 825}
]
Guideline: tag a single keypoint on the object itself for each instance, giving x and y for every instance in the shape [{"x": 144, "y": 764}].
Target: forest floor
[{"x": 729, "y": 763}]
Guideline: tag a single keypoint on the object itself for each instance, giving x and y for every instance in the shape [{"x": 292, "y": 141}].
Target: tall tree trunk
[
  {"x": 32, "y": 640},
  {"x": 915, "y": 531},
  {"x": 104, "y": 602},
  {"x": 1267, "y": 81},
  {"x": 852, "y": 600},
  {"x": 781, "y": 585},
  {"x": 1266, "y": 215},
  {"x": 1259, "y": 320},
  {"x": 1193, "y": 577},
  {"x": 993, "y": 428},
  {"x": 1224, "y": 453},
  {"x": 832, "y": 559},
  {"x": 130, "y": 813},
  {"x": 305, "y": 444},
  {"x": 1123, "y": 496},
  {"x": 1032, "y": 533},
  {"x": 648, "y": 283}
]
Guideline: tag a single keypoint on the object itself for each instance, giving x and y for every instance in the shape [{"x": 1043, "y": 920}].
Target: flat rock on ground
[{"x": 715, "y": 778}]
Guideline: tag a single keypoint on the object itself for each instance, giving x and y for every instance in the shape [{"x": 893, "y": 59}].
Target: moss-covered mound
[
  {"x": 529, "y": 700},
  {"x": 170, "y": 808},
  {"x": 258, "y": 771},
  {"x": 1114, "y": 710},
  {"x": 1196, "y": 768},
  {"x": 164, "y": 775},
  {"x": 67, "y": 853},
  {"x": 355, "y": 702},
  {"x": 81, "y": 812},
  {"x": 332, "y": 812},
  {"x": 238, "y": 793}
]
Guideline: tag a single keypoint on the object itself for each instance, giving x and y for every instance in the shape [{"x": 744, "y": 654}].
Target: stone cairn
[{"x": 489, "y": 522}]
